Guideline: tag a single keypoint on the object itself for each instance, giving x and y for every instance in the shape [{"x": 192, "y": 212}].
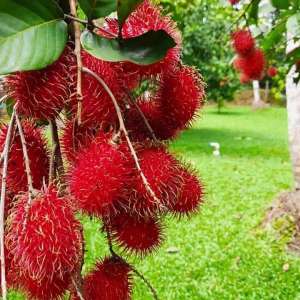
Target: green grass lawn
[{"x": 222, "y": 252}]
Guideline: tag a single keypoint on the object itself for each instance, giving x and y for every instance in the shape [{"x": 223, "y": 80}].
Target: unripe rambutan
[
  {"x": 97, "y": 106},
  {"x": 37, "y": 152},
  {"x": 100, "y": 176},
  {"x": 139, "y": 235},
  {"x": 110, "y": 280},
  {"x": 272, "y": 71},
  {"x": 145, "y": 18},
  {"x": 45, "y": 240},
  {"x": 181, "y": 95},
  {"x": 190, "y": 195},
  {"x": 160, "y": 169},
  {"x": 42, "y": 93},
  {"x": 75, "y": 138},
  {"x": 252, "y": 65},
  {"x": 243, "y": 42}
]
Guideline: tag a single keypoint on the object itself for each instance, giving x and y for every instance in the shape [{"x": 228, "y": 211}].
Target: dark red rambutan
[
  {"x": 37, "y": 152},
  {"x": 181, "y": 94},
  {"x": 153, "y": 113},
  {"x": 97, "y": 106},
  {"x": 43, "y": 93},
  {"x": 160, "y": 169},
  {"x": 45, "y": 240},
  {"x": 190, "y": 195},
  {"x": 233, "y": 2},
  {"x": 243, "y": 42},
  {"x": 252, "y": 65},
  {"x": 110, "y": 280},
  {"x": 100, "y": 176},
  {"x": 145, "y": 18},
  {"x": 76, "y": 138},
  {"x": 139, "y": 235},
  {"x": 272, "y": 71}
]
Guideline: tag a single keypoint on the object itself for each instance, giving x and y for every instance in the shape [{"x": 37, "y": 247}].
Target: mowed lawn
[{"x": 222, "y": 251}]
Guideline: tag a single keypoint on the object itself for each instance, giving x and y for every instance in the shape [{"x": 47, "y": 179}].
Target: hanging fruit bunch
[{"x": 111, "y": 100}]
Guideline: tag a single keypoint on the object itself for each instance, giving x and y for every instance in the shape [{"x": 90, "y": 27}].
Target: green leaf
[
  {"x": 274, "y": 37},
  {"x": 281, "y": 4},
  {"x": 95, "y": 9},
  {"x": 253, "y": 11},
  {"x": 10, "y": 106},
  {"x": 125, "y": 8},
  {"x": 145, "y": 49},
  {"x": 32, "y": 34}
]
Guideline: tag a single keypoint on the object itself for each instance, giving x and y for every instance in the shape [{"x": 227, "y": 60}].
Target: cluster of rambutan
[
  {"x": 130, "y": 194},
  {"x": 250, "y": 60},
  {"x": 234, "y": 2}
]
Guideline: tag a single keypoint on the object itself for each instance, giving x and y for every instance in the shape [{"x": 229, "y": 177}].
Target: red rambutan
[
  {"x": 252, "y": 65},
  {"x": 37, "y": 152},
  {"x": 181, "y": 95},
  {"x": 42, "y": 93},
  {"x": 243, "y": 42},
  {"x": 45, "y": 241},
  {"x": 233, "y": 2},
  {"x": 136, "y": 234},
  {"x": 111, "y": 280},
  {"x": 97, "y": 106},
  {"x": 100, "y": 176},
  {"x": 244, "y": 78},
  {"x": 190, "y": 195},
  {"x": 75, "y": 138},
  {"x": 160, "y": 169},
  {"x": 272, "y": 71},
  {"x": 145, "y": 18}
]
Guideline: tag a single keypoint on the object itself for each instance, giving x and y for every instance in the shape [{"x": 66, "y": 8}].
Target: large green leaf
[
  {"x": 274, "y": 37},
  {"x": 32, "y": 34},
  {"x": 146, "y": 49},
  {"x": 125, "y": 7},
  {"x": 95, "y": 9},
  {"x": 253, "y": 11},
  {"x": 281, "y": 4}
]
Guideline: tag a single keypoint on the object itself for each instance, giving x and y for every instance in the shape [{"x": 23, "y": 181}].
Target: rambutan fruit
[
  {"x": 190, "y": 195},
  {"x": 45, "y": 241},
  {"x": 234, "y": 2},
  {"x": 37, "y": 152},
  {"x": 244, "y": 78},
  {"x": 42, "y": 93},
  {"x": 181, "y": 95},
  {"x": 253, "y": 64},
  {"x": 100, "y": 176},
  {"x": 153, "y": 113},
  {"x": 76, "y": 137},
  {"x": 97, "y": 106},
  {"x": 147, "y": 17},
  {"x": 138, "y": 235},
  {"x": 272, "y": 71},
  {"x": 160, "y": 169},
  {"x": 243, "y": 42},
  {"x": 110, "y": 280}
]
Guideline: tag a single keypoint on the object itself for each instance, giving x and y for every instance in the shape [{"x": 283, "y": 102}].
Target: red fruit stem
[
  {"x": 2, "y": 205},
  {"x": 142, "y": 116},
  {"x": 56, "y": 163},
  {"x": 124, "y": 130},
  {"x": 77, "y": 52}
]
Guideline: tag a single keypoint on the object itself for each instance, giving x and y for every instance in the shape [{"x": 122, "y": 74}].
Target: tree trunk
[
  {"x": 257, "y": 102},
  {"x": 293, "y": 110}
]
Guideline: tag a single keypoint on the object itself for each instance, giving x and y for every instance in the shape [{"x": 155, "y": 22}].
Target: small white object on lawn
[{"x": 216, "y": 148}]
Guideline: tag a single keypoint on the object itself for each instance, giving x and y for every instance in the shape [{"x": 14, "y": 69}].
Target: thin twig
[
  {"x": 124, "y": 130},
  {"x": 78, "y": 292},
  {"x": 147, "y": 282},
  {"x": 26, "y": 160},
  {"x": 2, "y": 205},
  {"x": 4, "y": 98},
  {"x": 57, "y": 164},
  {"x": 142, "y": 116},
  {"x": 77, "y": 52}
]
